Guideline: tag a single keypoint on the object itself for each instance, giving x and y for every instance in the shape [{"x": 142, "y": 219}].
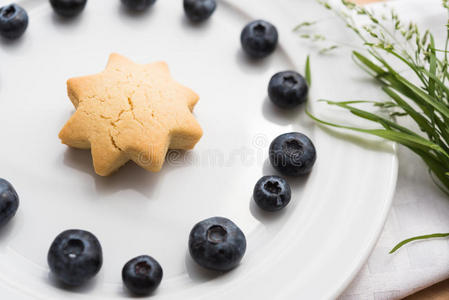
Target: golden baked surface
[{"x": 130, "y": 112}]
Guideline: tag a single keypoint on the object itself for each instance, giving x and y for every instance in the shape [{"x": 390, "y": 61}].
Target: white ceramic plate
[{"x": 309, "y": 251}]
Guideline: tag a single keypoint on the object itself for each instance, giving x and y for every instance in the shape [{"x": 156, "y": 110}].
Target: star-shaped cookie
[{"x": 130, "y": 112}]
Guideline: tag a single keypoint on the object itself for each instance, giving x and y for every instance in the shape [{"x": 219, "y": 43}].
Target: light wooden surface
[{"x": 439, "y": 291}]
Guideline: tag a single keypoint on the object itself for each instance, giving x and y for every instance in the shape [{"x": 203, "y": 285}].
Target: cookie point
[
  {"x": 63, "y": 135},
  {"x": 102, "y": 174},
  {"x": 115, "y": 55}
]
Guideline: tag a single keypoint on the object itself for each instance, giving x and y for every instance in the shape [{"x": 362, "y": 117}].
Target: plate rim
[{"x": 382, "y": 218}]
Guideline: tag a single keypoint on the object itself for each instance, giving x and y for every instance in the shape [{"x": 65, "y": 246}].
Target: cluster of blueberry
[
  {"x": 14, "y": 19},
  {"x": 75, "y": 256}
]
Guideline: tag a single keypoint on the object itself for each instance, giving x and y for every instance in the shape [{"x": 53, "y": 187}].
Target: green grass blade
[
  {"x": 407, "y": 138},
  {"x": 399, "y": 87},
  {"x": 410, "y": 90},
  {"x": 438, "y": 182},
  {"x": 436, "y": 81},
  {"x": 367, "y": 64},
  {"x": 384, "y": 76},
  {"x": 416, "y": 238},
  {"x": 399, "y": 83},
  {"x": 308, "y": 73},
  {"x": 422, "y": 122},
  {"x": 432, "y": 67},
  {"x": 376, "y": 103},
  {"x": 373, "y": 117},
  {"x": 419, "y": 94},
  {"x": 411, "y": 65},
  {"x": 438, "y": 169}
]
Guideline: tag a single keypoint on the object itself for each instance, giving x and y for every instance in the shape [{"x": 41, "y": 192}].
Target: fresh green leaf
[
  {"x": 308, "y": 73},
  {"x": 416, "y": 238}
]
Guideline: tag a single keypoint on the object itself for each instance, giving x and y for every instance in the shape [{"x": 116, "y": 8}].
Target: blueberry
[
  {"x": 75, "y": 256},
  {"x": 142, "y": 275},
  {"x": 292, "y": 154},
  {"x": 259, "y": 38},
  {"x": 288, "y": 89},
  {"x": 68, "y": 8},
  {"x": 13, "y": 21},
  {"x": 138, "y": 5},
  {"x": 217, "y": 244},
  {"x": 199, "y": 10},
  {"x": 9, "y": 202},
  {"x": 272, "y": 193}
]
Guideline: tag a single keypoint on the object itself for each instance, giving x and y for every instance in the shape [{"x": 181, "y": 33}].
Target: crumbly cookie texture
[{"x": 130, "y": 112}]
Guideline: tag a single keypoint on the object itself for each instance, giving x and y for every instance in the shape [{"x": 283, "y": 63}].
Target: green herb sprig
[{"x": 387, "y": 40}]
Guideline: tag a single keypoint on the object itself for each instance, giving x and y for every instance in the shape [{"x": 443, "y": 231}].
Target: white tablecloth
[{"x": 419, "y": 207}]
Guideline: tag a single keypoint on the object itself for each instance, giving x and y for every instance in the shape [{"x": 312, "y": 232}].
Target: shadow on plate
[
  {"x": 7, "y": 229},
  {"x": 11, "y": 44},
  {"x": 83, "y": 289},
  {"x": 187, "y": 23},
  {"x": 265, "y": 216},
  {"x": 176, "y": 159},
  {"x": 130, "y": 176},
  {"x": 133, "y": 14},
  {"x": 282, "y": 116},
  {"x": 363, "y": 141},
  {"x": 64, "y": 21},
  {"x": 125, "y": 293},
  {"x": 267, "y": 169},
  {"x": 198, "y": 273},
  {"x": 252, "y": 65}
]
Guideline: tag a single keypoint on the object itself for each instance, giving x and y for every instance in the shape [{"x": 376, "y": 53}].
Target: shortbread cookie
[{"x": 130, "y": 112}]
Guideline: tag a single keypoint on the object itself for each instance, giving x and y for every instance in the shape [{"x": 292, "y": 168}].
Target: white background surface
[{"x": 418, "y": 208}]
